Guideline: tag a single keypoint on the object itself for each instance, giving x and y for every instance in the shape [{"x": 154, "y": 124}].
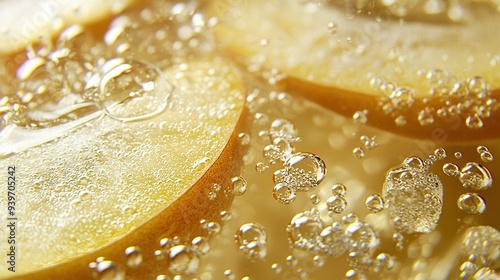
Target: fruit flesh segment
[{"x": 103, "y": 180}]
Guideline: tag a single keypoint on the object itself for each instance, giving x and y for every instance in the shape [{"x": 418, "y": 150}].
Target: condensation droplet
[
  {"x": 239, "y": 185},
  {"x": 471, "y": 203},
  {"x": 134, "y": 256},
  {"x": 475, "y": 176},
  {"x": 374, "y": 203}
]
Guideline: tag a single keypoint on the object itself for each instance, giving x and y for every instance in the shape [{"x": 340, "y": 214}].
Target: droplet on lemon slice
[
  {"x": 111, "y": 184},
  {"x": 428, "y": 79}
]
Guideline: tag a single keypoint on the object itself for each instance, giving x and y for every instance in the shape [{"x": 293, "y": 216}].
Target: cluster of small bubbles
[
  {"x": 471, "y": 203},
  {"x": 358, "y": 152},
  {"x": 475, "y": 176},
  {"x": 481, "y": 244},
  {"x": 273, "y": 76},
  {"x": 336, "y": 204},
  {"x": 425, "y": 117},
  {"x": 384, "y": 261},
  {"x": 399, "y": 238},
  {"x": 360, "y": 117},
  {"x": 413, "y": 188},
  {"x": 467, "y": 270},
  {"x": 214, "y": 189},
  {"x": 134, "y": 256},
  {"x": 485, "y": 154},
  {"x": 107, "y": 270},
  {"x": 239, "y": 185},
  {"x": 375, "y": 203},
  {"x": 400, "y": 120},
  {"x": 251, "y": 239},
  {"x": 261, "y": 167},
  {"x": 301, "y": 172},
  {"x": 369, "y": 143}
]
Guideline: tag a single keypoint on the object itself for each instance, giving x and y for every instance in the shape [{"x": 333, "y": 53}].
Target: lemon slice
[
  {"x": 110, "y": 184},
  {"x": 419, "y": 79},
  {"x": 25, "y": 22}
]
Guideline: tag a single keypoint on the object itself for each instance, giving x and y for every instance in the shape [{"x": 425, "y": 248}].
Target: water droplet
[
  {"x": 339, "y": 189},
  {"x": 315, "y": 199},
  {"x": 283, "y": 193},
  {"x": 261, "y": 167},
  {"x": 475, "y": 176},
  {"x": 239, "y": 185},
  {"x": 134, "y": 256},
  {"x": 471, "y": 203},
  {"x": 451, "y": 169},
  {"x": 358, "y": 153},
  {"x": 108, "y": 270},
  {"x": 183, "y": 260},
  {"x": 251, "y": 239},
  {"x": 361, "y": 236},
  {"x": 410, "y": 189},
  {"x": 336, "y": 204},
  {"x": 374, "y": 203}
]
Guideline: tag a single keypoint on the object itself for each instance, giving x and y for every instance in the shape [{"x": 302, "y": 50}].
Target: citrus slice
[
  {"x": 113, "y": 183},
  {"x": 416, "y": 78},
  {"x": 25, "y": 22}
]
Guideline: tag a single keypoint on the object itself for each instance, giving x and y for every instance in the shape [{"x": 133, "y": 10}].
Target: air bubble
[
  {"x": 339, "y": 189},
  {"x": 276, "y": 268},
  {"x": 471, "y": 203},
  {"x": 183, "y": 260},
  {"x": 244, "y": 138},
  {"x": 361, "y": 236},
  {"x": 332, "y": 27},
  {"x": 302, "y": 172},
  {"x": 251, "y": 239},
  {"x": 284, "y": 194},
  {"x": 451, "y": 169},
  {"x": 201, "y": 245},
  {"x": 239, "y": 185},
  {"x": 360, "y": 117},
  {"x": 358, "y": 153},
  {"x": 474, "y": 121},
  {"x": 261, "y": 167},
  {"x": 402, "y": 98},
  {"x": 400, "y": 120},
  {"x": 336, "y": 204},
  {"x": 487, "y": 157},
  {"x": 475, "y": 176},
  {"x": 134, "y": 256},
  {"x": 283, "y": 129},
  {"x": 315, "y": 199},
  {"x": 458, "y": 155},
  {"x": 440, "y": 153},
  {"x": 333, "y": 240},
  {"x": 374, "y": 203},
  {"x": 108, "y": 270},
  {"x": 482, "y": 149},
  {"x": 304, "y": 228},
  {"x": 134, "y": 91}
]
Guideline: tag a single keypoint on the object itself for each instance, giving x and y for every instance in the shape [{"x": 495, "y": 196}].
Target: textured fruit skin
[{"x": 181, "y": 218}]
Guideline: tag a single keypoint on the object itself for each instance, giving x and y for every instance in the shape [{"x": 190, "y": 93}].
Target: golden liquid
[{"x": 334, "y": 138}]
